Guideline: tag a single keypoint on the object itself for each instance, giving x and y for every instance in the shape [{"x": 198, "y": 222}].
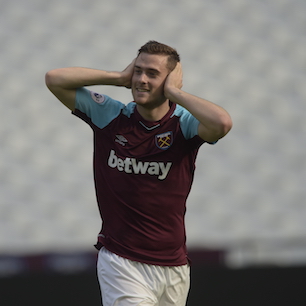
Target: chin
[{"x": 141, "y": 100}]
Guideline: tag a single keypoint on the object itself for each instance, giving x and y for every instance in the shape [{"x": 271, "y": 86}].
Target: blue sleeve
[
  {"x": 101, "y": 109},
  {"x": 189, "y": 124}
]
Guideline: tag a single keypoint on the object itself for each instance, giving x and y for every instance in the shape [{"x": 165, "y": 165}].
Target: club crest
[{"x": 164, "y": 141}]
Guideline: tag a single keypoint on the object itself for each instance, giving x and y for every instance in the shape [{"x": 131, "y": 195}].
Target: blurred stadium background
[{"x": 248, "y": 204}]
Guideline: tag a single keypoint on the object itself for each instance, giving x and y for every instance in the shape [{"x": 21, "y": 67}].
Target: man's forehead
[{"x": 152, "y": 61}]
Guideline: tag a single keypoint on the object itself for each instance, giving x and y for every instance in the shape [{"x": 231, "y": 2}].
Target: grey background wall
[{"x": 248, "y": 199}]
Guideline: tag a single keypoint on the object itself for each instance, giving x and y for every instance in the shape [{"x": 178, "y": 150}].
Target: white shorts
[{"x": 124, "y": 282}]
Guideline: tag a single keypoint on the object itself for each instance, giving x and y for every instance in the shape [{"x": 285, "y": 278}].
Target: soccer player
[{"x": 144, "y": 162}]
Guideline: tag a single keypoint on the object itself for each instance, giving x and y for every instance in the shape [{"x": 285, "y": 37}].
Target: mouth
[{"x": 142, "y": 90}]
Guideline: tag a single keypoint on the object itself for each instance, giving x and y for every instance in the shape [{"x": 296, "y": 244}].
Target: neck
[{"x": 154, "y": 114}]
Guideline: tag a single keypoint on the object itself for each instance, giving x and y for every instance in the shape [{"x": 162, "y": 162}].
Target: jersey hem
[{"x": 99, "y": 245}]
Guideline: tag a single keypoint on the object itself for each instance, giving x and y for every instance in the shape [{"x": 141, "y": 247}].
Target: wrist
[
  {"x": 124, "y": 80},
  {"x": 111, "y": 78}
]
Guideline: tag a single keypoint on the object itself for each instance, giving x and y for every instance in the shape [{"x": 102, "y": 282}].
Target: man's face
[{"x": 150, "y": 73}]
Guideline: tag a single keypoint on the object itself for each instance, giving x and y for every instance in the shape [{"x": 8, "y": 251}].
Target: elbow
[
  {"x": 226, "y": 125},
  {"x": 221, "y": 127},
  {"x": 49, "y": 78},
  {"x": 52, "y": 78},
  {"x": 217, "y": 130}
]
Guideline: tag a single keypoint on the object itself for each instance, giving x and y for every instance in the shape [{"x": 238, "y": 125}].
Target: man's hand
[
  {"x": 127, "y": 74},
  {"x": 215, "y": 122},
  {"x": 174, "y": 80}
]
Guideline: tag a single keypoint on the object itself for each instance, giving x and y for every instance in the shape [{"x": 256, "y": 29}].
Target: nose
[{"x": 142, "y": 78}]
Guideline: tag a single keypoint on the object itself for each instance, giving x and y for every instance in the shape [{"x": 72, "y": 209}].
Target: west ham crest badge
[{"x": 164, "y": 141}]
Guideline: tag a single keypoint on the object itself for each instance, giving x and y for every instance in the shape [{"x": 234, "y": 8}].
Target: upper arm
[
  {"x": 191, "y": 126},
  {"x": 215, "y": 132},
  {"x": 65, "y": 95},
  {"x": 207, "y": 135}
]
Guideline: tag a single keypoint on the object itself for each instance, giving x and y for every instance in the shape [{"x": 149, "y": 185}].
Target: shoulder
[
  {"x": 101, "y": 109},
  {"x": 86, "y": 99}
]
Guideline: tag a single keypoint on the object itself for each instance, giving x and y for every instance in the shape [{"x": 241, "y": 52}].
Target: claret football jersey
[{"x": 143, "y": 173}]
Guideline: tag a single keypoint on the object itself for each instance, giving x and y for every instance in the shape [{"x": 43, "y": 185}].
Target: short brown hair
[{"x": 154, "y": 47}]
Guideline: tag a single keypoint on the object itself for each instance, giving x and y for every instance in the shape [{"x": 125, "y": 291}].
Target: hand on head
[
  {"x": 127, "y": 74},
  {"x": 174, "y": 79}
]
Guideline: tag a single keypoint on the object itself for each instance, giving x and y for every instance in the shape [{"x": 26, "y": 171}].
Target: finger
[
  {"x": 131, "y": 65},
  {"x": 178, "y": 66}
]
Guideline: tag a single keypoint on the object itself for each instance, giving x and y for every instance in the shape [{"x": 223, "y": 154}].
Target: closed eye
[
  {"x": 137, "y": 71},
  {"x": 152, "y": 74}
]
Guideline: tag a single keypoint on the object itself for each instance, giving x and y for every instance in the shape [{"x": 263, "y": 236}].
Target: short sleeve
[
  {"x": 100, "y": 109},
  {"x": 189, "y": 124}
]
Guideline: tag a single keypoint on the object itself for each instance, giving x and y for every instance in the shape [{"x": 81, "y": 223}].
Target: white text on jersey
[{"x": 131, "y": 165}]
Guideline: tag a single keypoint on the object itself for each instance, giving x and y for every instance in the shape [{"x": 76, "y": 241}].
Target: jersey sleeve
[
  {"x": 189, "y": 124},
  {"x": 95, "y": 108}
]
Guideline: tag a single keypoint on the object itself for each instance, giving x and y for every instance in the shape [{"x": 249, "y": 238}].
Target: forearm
[
  {"x": 63, "y": 82},
  {"x": 75, "y": 77}
]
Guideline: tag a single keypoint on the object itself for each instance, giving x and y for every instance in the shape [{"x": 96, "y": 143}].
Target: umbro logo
[{"x": 121, "y": 139}]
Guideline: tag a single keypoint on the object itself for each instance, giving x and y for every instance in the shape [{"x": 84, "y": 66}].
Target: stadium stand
[{"x": 249, "y": 195}]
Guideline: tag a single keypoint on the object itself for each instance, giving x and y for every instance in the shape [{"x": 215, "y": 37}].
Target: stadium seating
[{"x": 249, "y": 195}]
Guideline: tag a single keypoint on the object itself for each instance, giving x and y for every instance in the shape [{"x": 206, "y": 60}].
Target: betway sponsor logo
[{"x": 131, "y": 165}]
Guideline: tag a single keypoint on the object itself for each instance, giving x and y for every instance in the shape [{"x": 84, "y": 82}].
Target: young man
[{"x": 144, "y": 161}]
